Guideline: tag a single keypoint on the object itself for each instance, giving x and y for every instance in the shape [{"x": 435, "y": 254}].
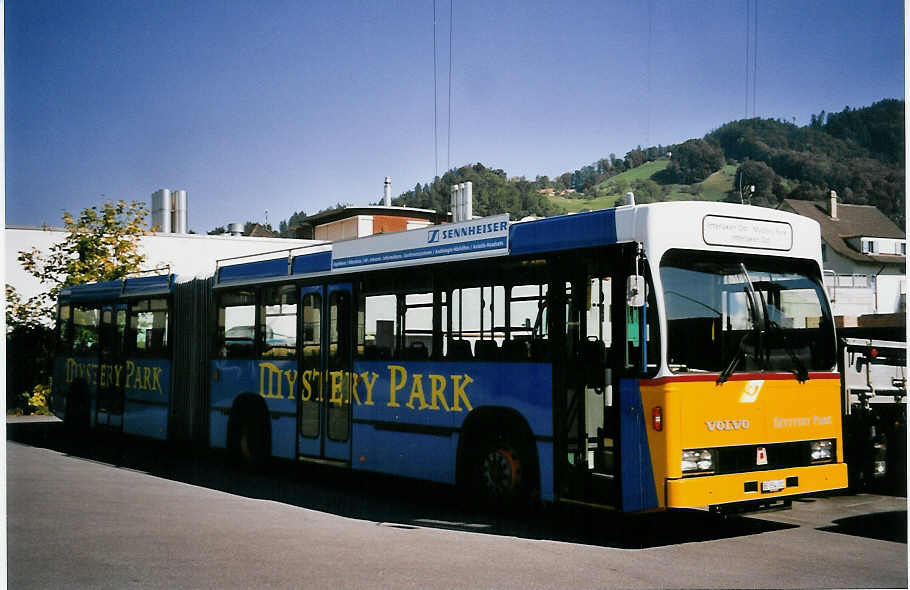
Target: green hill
[{"x": 858, "y": 152}]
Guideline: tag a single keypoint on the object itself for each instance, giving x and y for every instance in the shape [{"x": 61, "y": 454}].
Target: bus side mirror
[{"x": 635, "y": 291}]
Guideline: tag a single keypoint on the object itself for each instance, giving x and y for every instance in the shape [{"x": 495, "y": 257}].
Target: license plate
[{"x": 773, "y": 485}]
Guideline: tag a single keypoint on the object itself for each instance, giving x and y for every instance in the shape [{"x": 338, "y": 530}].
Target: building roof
[
  {"x": 346, "y": 212},
  {"x": 260, "y": 231},
  {"x": 852, "y": 221}
]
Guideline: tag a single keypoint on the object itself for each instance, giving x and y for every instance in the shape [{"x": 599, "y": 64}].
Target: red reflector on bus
[{"x": 657, "y": 419}]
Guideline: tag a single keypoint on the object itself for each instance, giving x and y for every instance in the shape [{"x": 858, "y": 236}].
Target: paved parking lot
[{"x": 104, "y": 514}]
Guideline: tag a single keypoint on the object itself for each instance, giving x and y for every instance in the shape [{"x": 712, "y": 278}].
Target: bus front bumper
[{"x": 761, "y": 485}]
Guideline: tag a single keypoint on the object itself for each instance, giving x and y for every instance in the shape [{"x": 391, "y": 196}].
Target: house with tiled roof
[
  {"x": 260, "y": 231},
  {"x": 864, "y": 256}
]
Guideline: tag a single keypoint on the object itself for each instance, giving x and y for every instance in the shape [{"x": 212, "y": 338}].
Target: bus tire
[
  {"x": 249, "y": 441},
  {"x": 78, "y": 409},
  {"x": 501, "y": 472}
]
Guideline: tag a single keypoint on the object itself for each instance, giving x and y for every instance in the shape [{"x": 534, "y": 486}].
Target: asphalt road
[{"x": 114, "y": 514}]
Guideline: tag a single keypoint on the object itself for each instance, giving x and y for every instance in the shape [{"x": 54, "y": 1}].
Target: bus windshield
[{"x": 729, "y": 313}]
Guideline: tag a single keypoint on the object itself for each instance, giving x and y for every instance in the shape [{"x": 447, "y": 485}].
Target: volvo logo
[{"x": 727, "y": 425}]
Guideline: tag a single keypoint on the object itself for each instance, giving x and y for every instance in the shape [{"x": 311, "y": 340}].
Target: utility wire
[
  {"x": 451, "y": 100},
  {"x": 748, "y": 46},
  {"x": 650, "y": 26},
  {"x": 755, "y": 60},
  {"x": 435, "y": 101}
]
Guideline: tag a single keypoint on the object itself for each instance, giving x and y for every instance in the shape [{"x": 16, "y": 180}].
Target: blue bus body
[{"x": 514, "y": 358}]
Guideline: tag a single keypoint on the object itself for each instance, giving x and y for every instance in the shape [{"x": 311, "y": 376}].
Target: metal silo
[
  {"x": 179, "y": 200},
  {"x": 161, "y": 210}
]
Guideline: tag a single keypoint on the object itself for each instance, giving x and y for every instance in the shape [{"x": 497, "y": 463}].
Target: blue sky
[{"x": 288, "y": 106}]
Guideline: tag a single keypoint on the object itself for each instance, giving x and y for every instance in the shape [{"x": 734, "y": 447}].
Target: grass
[
  {"x": 644, "y": 171},
  {"x": 713, "y": 188}
]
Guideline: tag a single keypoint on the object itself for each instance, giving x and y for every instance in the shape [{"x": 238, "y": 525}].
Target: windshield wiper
[
  {"x": 731, "y": 366},
  {"x": 749, "y": 290},
  {"x": 799, "y": 368}
]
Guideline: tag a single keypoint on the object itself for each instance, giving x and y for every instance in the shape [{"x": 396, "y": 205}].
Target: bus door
[
  {"x": 326, "y": 365},
  {"x": 587, "y": 422},
  {"x": 109, "y": 407}
]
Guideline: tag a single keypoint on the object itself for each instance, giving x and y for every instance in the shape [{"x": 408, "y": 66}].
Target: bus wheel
[
  {"x": 76, "y": 414},
  {"x": 500, "y": 480},
  {"x": 251, "y": 445}
]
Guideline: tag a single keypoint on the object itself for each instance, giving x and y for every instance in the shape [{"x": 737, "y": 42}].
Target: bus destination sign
[
  {"x": 488, "y": 236},
  {"x": 747, "y": 233}
]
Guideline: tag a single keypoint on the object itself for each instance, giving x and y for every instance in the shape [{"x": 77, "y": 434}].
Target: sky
[{"x": 278, "y": 107}]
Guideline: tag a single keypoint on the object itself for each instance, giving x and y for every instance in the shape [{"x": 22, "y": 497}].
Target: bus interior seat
[
  {"x": 486, "y": 350},
  {"x": 459, "y": 350},
  {"x": 538, "y": 350},
  {"x": 417, "y": 351},
  {"x": 515, "y": 350}
]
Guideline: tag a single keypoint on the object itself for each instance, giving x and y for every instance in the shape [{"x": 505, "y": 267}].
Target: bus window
[
  {"x": 311, "y": 378},
  {"x": 417, "y": 326},
  {"x": 379, "y": 327},
  {"x": 527, "y": 323},
  {"x": 236, "y": 325},
  {"x": 113, "y": 331},
  {"x": 642, "y": 346},
  {"x": 598, "y": 310},
  {"x": 86, "y": 321},
  {"x": 149, "y": 327},
  {"x": 338, "y": 423},
  {"x": 477, "y": 316},
  {"x": 64, "y": 330},
  {"x": 278, "y": 314}
]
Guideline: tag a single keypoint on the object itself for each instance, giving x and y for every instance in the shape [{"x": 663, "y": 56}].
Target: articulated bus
[{"x": 640, "y": 358}]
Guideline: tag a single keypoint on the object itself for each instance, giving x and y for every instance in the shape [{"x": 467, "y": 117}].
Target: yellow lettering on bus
[
  {"x": 130, "y": 371},
  {"x": 291, "y": 376},
  {"x": 417, "y": 392},
  {"x": 156, "y": 380},
  {"x": 269, "y": 373},
  {"x": 71, "y": 368},
  {"x": 437, "y": 393},
  {"x": 337, "y": 393},
  {"x": 368, "y": 383},
  {"x": 307, "y": 392},
  {"x": 459, "y": 383},
  {"x": 398, "y": 376},
  {"x": 117, "y": 371}
]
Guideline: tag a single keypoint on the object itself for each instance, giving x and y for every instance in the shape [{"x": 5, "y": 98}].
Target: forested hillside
[{"x": 857, "y": 152}]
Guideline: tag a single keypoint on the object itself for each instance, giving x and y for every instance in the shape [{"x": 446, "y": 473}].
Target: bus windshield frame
[{"x": 728, "y": 312}]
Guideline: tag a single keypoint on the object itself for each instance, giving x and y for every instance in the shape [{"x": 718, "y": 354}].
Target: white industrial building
[{"x": 169, "y": 246}]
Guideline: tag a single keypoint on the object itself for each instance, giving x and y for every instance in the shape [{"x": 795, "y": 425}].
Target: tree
[
  {"x": 102, "y": 244},
  {"x": 759, "y": 175},
  {"x": 697, "y": 159}
]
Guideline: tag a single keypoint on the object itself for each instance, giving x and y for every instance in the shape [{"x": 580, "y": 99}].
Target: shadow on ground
[
  {"x": 388, "y": 501},
  {"x": 884, "y": 526}
]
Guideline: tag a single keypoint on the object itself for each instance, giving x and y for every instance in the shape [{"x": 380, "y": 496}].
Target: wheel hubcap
[{"x": 501, "y": 472}]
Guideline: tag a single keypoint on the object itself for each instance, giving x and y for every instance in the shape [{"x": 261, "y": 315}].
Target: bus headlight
[
  {"x": 821, "y": 450},
  {"x": 697, "y": 461}
]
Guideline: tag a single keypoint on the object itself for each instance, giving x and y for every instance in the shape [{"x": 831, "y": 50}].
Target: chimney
[
  {"x": 453, "y": 202},
  {"x": 832, "y": 205},
  {"x": 387, "y": 192},
  {"x": 468, "y": 200}
]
